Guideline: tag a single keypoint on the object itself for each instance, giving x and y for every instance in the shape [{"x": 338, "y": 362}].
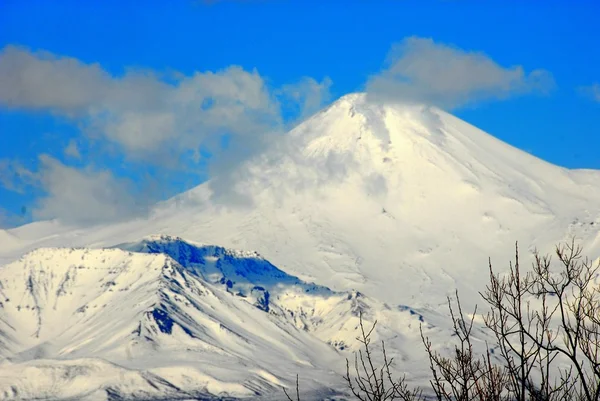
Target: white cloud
[
  {"x": 421, "y": 70},
  {"x": 42, "y": 80},
  {"x": 138, "y": 111},
  {"x": 83, "y": 196},
  {"x": 308, "y": 95},
  {"x": 593, "y": 91},
  {"x": 72, "y": 150},
  {"x": 16, "y": 177},
  {"x": 199, "y": 108},
  {"x": 596, "y": 92},
  {"x": 148, "y": 119}
]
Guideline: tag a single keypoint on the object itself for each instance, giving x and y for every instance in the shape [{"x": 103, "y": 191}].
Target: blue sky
[{"x": 77, "y": 78}]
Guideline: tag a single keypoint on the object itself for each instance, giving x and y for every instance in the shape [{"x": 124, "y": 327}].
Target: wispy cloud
[
  {"x": 43, "y": 81},
  {"x": 146, "y": 116},
  {"x": 72, "y": 150},
  {"x": 16, "y": 177},
  {"x": 592, "y": 91},
  {"x": 307, "y": 96},
  {"x": 172, "y": 122},
  {"x": 75, "y": 195},
  {"x": 85, "y": 195},
  {"x": 421, "y": 70}
]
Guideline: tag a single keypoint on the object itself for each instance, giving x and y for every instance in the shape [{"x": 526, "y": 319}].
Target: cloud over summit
[
  {"x": 423, "y": 71},
  {"x": 141, "y": 130}
]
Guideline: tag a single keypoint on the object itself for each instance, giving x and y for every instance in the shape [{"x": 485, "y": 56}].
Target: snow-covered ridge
[
  {"x": 155, "y": 305},
  {"x": 329, "y": 315}
]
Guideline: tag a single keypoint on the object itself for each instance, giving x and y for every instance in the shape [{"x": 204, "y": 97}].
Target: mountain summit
[{"x": 397, "y": 199}]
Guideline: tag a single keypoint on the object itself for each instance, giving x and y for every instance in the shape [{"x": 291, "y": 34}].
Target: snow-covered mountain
[
  {"x": 166, "y": 318},
  {"x": 379, "y": 205}
]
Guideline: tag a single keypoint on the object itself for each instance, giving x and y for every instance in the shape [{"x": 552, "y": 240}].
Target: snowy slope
[
  {"x": 121, "y": 318},
  {"x": 166, "y": 318},
  {"x": 402, "y": 204},
  {"x": 330, "y": 316}
]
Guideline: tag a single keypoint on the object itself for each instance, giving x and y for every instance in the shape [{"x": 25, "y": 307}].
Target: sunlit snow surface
[
  {"x": 163, "y": 317},
  {"x": 383, "y": 209}
]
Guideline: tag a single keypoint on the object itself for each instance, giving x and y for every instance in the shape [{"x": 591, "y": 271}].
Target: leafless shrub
[
  {"x": 371, "y": 383},
  {"x": 297, "y": 391},
  {"x": 547, "y": 326},
  {"x": 464, "y": 376}
]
